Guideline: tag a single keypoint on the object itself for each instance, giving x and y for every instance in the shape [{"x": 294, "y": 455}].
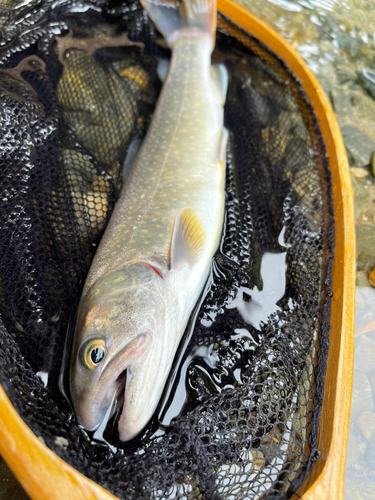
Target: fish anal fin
[{"x": 188, "y": 239}]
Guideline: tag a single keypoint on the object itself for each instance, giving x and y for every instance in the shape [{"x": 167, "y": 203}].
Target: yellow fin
[{"x": 187, "y": 239}]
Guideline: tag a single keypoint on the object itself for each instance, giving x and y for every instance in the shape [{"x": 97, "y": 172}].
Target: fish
[{"x": 155, "y": 255}]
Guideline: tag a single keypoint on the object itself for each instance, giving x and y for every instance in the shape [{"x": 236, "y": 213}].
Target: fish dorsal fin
[{"x": 188, "y": 238}]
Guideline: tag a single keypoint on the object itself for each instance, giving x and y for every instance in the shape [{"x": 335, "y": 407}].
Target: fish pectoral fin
[
  {"x": 222, "y": 153},
  {"x": 188, "y": 238},
  {"x": 219, "y": 76}
]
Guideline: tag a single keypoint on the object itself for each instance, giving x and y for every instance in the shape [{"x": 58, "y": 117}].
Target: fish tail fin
[{"x": 199, "y": 14}]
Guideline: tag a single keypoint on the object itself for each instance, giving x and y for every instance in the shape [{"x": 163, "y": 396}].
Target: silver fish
[{"x": 155, "y": 255}]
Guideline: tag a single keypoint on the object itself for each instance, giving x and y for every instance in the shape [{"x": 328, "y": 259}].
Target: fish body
[{"x": 155, "y": 254}]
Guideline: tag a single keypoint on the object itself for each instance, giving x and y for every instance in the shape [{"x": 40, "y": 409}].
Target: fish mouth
[
  {"x": 120, "y": 393},
  {"x": 110, "y": 389}
]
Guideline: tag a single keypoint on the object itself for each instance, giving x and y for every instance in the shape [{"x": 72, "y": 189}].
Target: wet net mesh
[{"x": 74, "y": 96}]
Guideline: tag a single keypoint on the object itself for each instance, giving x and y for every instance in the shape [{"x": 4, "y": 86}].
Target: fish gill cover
[{"x": 74, "y": 99}]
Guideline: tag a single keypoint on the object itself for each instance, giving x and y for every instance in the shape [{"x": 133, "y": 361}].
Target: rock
[
  {"x": 367, "y": 80},
  {"x": 370, "y": 452},
  {"x": 360, "y": 146},
  {"x": 348, "y": 44},
  {"x": 365, "y": 236},
  {"x": 366, "y": 423},
  {"x": 359, "y": 172},
  {"x": 61, "y": 441},
  {"x": 361, "y": 281},
  {"x": 341, "y": 102},
  {"x": 254, "y": 457},
  {"x": 361, "y": 397},
  {"x": 368, "y": 297},
  {"x": 344, "y": 76},
  {"x": 362, "y": 196},
  {"x": 355, "y": 451},
  {"x": 364, "y": 358},
  {"x": 327, "y": 87},
  {"x": 370, "y": 333},
  {"x": 365, "y": 312},
  {"x": 358, "y": 484},
  {"x": 372, "y": 384}
]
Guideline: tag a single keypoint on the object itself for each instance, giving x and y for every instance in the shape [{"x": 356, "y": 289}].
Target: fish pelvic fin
[
  {"x": 188, "y": 239},
  {"x": 200, "y": 14}
]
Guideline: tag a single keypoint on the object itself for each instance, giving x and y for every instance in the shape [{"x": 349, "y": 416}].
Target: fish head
[{"x": 118, "y": 320}]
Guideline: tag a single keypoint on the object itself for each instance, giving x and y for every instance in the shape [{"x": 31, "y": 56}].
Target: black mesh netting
[{"x": 74, "y": 95}]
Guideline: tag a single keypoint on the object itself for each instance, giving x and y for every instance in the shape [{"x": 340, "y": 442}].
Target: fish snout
[
  {"x": 98, "y": 399},
  {"x": 91, "y": 411}
]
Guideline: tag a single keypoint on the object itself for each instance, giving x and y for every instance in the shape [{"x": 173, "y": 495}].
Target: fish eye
[{"x": 93, "y": 353}]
